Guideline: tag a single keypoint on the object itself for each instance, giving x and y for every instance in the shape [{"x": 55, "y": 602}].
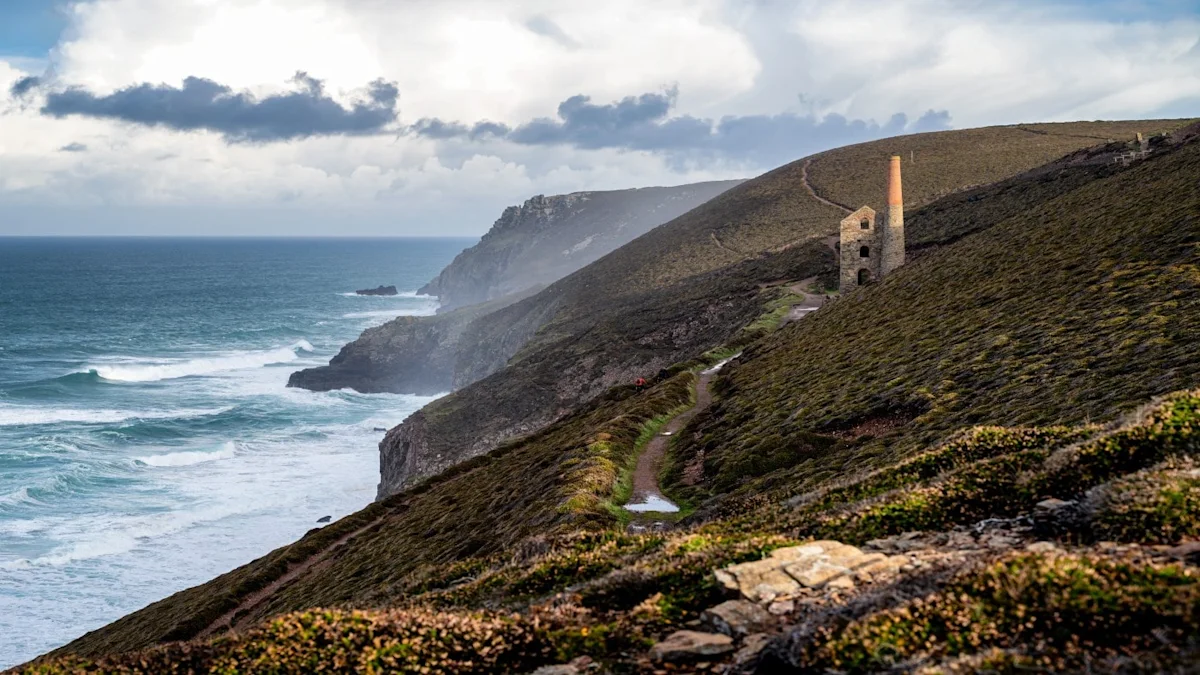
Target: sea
[{"x": 147, "y": 439}]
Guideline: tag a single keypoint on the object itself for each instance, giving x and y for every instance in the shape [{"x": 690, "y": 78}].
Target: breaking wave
[
  {"x": 12, "y": 416},
  {"x": 188, "y": 458},
  {"x": 153, "y": 372}
]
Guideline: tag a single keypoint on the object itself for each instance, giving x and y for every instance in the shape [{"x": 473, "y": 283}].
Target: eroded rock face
[
  {"x": 408, "y": 355},
  {"x": 547, "y": 238}
]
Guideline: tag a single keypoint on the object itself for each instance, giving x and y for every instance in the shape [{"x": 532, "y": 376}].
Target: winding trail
[
  {"x": 646, "y": 491},
  {"x": 808, "y": 186}
]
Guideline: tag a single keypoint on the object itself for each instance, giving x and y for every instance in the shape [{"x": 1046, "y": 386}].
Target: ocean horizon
[{"x": 148, "y": 441}]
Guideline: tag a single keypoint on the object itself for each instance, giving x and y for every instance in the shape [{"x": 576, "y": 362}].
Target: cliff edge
[{"x": 547, "y": 238}]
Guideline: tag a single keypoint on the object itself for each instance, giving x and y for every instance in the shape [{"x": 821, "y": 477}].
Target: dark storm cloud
[
  {"x": 73, "y": 147},
  {"x": 239, "y": 116},
  {"x": 643, "y": 123},
  {"x": 544, "y": 26}
]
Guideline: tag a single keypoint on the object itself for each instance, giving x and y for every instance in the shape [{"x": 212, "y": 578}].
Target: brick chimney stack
[{"x": 893, "y": 236}]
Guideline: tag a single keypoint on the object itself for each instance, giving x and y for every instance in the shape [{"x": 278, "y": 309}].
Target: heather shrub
[{"x": 1062, "y": 610}]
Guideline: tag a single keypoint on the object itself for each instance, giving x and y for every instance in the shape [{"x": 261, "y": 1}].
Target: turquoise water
[{"x": 147, "y": 440}]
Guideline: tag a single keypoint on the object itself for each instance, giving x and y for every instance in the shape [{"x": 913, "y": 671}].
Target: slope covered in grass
[
  {"x": 1065, "y": 604},
  {"x": 688, "y": 285},
  {"x": 1071, "y": 310}
]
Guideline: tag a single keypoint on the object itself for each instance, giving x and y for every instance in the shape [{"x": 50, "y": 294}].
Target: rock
[
  {"x": 736, "y": 618},
  {"x": 999, "y": 541},
  {"x": 1189, "y": 551},
  {"x": 795, "y": 569},
  {"x": 1042, "y": 547},
  {"x": 324, "y": 519},
  {"x": 759, "y": 580},
  {"x": 815, "y": 574},
  {"x": 752, "y": 647},
  {"x": 575, "y": 667},
  {"x": 841, "y": 583},
  {"x": 888, "y": 565},
  {"x": 378, "y": 290},
  {"x": 1056, "y": 516},
  {"x": 782, "y": 607},
  {"x": 690, "y": 645}
]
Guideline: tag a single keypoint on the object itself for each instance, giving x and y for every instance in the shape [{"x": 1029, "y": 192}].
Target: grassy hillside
[
  {"x": 1071, "y": 310},
  {"x": 1015, "y": 361},
  {"x": 688, "y": 285}
]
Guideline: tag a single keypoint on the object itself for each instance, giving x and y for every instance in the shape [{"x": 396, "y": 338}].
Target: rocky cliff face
[
  {"x": 407, "y": 355},
  {"x": 475, "y": 331},
  {"x": 547, "y": 238}
]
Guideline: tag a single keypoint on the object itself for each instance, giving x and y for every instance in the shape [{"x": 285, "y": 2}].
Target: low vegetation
[
  {"x": 688, "y": 286},
  {"x": 1025, "y": 360}
]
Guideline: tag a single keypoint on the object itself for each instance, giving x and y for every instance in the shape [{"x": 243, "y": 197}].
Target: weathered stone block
[
  {"x": 690, "y": 645},
  {"x": 737, "y": 618}
]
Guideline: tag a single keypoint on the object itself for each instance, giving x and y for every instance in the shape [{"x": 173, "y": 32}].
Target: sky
[{"x": 424, "y": 117}]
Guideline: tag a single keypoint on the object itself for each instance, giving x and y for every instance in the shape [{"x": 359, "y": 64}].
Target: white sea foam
[
  {"x": 392, "y": 313},
  {"x": 29, "y": 415},
  {"x": 168, "y": 370},
  {"x": 188, "y": 458}
]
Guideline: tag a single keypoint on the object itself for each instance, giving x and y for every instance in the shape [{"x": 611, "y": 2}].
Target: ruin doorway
[{"x": 864, "y": 277}]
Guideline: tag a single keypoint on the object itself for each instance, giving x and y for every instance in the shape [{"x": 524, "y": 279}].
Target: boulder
[
  {"x": 737, "y": 618},
  {"x": 759, "y": 580},
  {"x": 690, "y": 645},
  {"x": 789, "y": 571}
]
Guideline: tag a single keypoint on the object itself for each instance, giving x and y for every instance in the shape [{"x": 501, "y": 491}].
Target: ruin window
[
  {"x": 864, "y": 252},
  {"x": 864, "y": 277},
  {"x": 866, "y": 224}
]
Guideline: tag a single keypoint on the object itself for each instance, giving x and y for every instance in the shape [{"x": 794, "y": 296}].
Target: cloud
[
  {"x": 238, "y": 116},
  {"x": 24, "y": 85},
  {"x": 544, "y": 26},
  {"x": 73, "y": 147},
  {"x": 643, "y": 123}
]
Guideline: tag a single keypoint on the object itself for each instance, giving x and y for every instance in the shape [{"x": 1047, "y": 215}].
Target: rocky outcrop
[
  {"x": 547, "y": 238},
  {"x": 378, "y": 290}
]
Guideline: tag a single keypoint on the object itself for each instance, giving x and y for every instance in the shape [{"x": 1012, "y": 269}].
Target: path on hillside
[
  {"x": 646, "y": 491},
  {"x": 811, "y": 302},
  {"x": 808, "y": 186},
  {"x": 230, "y": 620}
]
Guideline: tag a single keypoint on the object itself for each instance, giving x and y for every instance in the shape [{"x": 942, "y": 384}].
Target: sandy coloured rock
[
  {"x": 737, "y": 618},
  {"x": 690, "y": 645}
]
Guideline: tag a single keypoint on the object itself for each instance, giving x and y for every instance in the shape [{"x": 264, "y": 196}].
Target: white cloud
[{"x": 509, "y": 62}]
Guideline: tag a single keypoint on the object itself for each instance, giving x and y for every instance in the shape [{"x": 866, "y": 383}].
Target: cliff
[
  {"x": 547, "y": 238},
  {"x": 407, "y": 355},
  {"x": 470, "y": 338}
]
